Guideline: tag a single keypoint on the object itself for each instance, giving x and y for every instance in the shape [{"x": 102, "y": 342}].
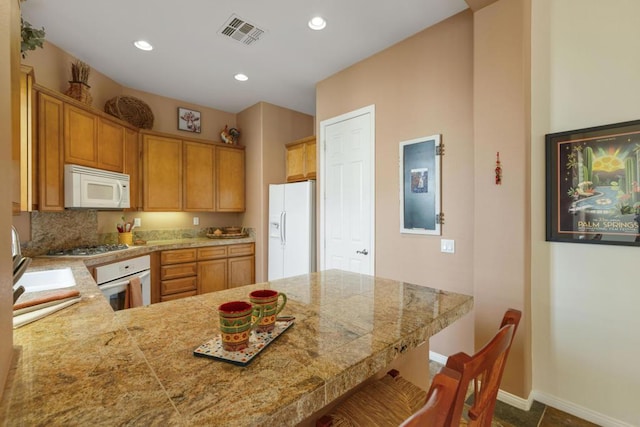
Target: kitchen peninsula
[{"x": 90, "y": 365}]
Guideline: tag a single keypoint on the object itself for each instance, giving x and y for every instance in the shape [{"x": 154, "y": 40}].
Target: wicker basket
[
  {"x": 79, "y": 91},
  {"x": 131, "y": 110}
]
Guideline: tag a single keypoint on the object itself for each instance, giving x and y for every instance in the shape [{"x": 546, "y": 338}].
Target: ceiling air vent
[{"x": 240, "y": 30}]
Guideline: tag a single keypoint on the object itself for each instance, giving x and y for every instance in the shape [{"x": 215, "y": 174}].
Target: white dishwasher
[{"x": 114, "y": 278}]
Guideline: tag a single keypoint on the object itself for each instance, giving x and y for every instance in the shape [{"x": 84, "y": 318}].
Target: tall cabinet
[{"x": 70, "y": 132}]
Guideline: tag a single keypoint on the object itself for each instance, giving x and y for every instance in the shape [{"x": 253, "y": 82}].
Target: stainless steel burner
[{"x": 87, "y": 250}]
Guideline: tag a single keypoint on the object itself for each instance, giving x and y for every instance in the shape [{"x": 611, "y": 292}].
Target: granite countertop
[{"x": 89, "y": 365}]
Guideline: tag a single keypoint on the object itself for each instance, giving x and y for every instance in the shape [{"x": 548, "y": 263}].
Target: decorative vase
[{"x": 79, "y": 91}]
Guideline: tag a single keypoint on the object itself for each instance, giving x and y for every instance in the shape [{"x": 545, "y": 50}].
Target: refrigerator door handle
[{"x": 283, "y": 228}]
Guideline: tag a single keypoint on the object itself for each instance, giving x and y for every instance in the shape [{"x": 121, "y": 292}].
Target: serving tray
[
  {"x": 257, "y": 342},
  {"x": 227, "y": 235}
]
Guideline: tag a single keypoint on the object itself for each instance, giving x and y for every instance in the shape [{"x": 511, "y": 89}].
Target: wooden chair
[
  {"x": 391, "y": 400},
  {"x": 485, "y": 369},
  {"x": 440, "y": 399}
]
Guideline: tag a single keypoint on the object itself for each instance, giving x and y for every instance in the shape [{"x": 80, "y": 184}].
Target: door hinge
[
  {"x": 440, "y": 218},
  {"x": 440, "y": 150}
]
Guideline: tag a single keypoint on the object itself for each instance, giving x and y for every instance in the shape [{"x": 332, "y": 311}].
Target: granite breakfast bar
[{"x": 88, "y": 365}]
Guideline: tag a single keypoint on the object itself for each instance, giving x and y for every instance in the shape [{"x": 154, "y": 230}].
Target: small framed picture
[{"x": 188, "y": 120}]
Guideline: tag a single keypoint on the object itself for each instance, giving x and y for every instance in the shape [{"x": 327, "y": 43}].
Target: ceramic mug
[
  {"x": 236, "y": 324},
  {"x": 267, "y": 299}
]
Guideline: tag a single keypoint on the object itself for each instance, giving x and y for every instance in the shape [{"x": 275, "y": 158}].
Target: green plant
[{"x": 31, "y": 37}]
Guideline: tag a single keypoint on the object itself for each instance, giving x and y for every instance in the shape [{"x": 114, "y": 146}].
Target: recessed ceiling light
[
  {"x": 317, "y": 23},
  {"x": 241, "y": 77},
  {"x": 143, "y": 45}
]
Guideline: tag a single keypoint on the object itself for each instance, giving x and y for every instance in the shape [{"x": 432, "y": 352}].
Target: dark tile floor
[{"x": 539, "y": 415}]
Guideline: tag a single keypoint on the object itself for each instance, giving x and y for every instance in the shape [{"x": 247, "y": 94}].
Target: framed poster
[
  {"x": 592, "y": 185},
  {"x": 420, "y": 185},
  {"x": 188, "y": 120}
]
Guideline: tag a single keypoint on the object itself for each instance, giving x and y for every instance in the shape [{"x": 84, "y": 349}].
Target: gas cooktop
[{"x": 88, "y": 250}]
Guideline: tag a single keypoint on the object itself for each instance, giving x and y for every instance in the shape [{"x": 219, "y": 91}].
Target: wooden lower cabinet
[
  {"x": 242, "y": 271},
  {"x": 212, "y": 275},
  {"x": 194, "y": 271}
]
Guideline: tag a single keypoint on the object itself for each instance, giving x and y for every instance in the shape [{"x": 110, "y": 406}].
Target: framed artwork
[
  {"x": 188, "y": 120},
  {"x": 592, "y": 185},
  {"x": 420, "y": 160}
]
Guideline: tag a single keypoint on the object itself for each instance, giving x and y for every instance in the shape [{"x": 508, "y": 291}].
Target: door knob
[{"x": 363, "y": 252}]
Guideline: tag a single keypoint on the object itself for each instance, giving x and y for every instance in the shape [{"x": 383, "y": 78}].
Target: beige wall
[
  {"x": 7, "y": 24},
  {"x": 250, "y": 121},
  {"x": 269, "y": 127},
  {"x": 501, "y": 215},
  {"x": 586, "y": 64},
  {"x": 421, "y": 86},
  {"x": 52, "y": 67}
]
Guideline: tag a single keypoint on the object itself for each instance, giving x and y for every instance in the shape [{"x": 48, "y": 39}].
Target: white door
[{"x": 348, "y": 187}]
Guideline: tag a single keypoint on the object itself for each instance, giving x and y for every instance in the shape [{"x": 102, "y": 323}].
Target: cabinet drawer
[
  {"x": 168, "y": 272},
  {"x": 240, "y": 250},
  {"x": 212, "y": 252},
  {"x": 177, "y": 296},
  {"x": 178, "y": 255},
  {"x": 175, "y": 286}
]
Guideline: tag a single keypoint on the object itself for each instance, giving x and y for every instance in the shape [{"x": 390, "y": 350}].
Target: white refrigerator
[{"x": 292, "y": 229}]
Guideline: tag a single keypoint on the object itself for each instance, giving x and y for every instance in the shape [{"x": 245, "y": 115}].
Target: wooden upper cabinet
[
  {"x": 162, "y": 173},
  {"x": 90, "y": 140},
  {"x": 50, "y": 145},
  {"x": 80, "y": 136},
  {"x": 199, "y": 179},
  {"x": 230, "y": 179},
  {"x": 132, "y": 166},
  {"x": 310, "y": 158},
  {"x": 110, "y": 144},
  {"x": 301, "y": 159}
]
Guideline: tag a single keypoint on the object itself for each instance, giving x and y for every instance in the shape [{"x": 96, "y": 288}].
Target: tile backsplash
[
  {"x": 73, "y": 228},
  {"x": 60, "y": 230}
]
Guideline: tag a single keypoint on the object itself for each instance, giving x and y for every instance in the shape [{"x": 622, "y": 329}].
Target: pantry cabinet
[
  {"x": 12, "y": 125},
  {"x": 301, "y": 159},
  {"x": 186, "y": 272},
  {"x": 50, "y": 145}
]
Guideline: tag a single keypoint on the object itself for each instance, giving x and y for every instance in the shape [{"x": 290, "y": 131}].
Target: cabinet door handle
[{"x": 363, "y": 252}]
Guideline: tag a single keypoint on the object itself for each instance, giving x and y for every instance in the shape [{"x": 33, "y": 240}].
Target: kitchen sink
[{"x": 46, "y": 280}]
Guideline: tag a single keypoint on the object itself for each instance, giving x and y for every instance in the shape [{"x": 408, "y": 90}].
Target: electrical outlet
[
  {"x": 447, "y": 246},
  {"x": 137, "y": 222},
  {"x": 196, "y": 220}
]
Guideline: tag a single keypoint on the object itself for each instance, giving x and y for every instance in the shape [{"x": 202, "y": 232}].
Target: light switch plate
[
  {"x": 137, "y": 222},
  {"x": 196, "y": 220},
  {"x": 447, "y": 246}
]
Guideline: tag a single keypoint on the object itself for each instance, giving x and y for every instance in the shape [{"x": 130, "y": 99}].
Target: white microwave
[{"x": 95, "y": 188}]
